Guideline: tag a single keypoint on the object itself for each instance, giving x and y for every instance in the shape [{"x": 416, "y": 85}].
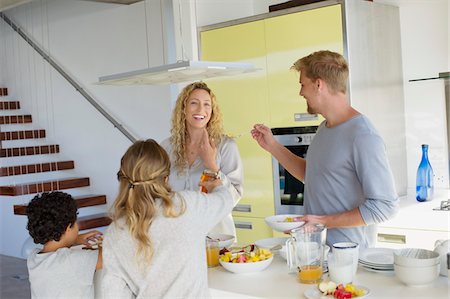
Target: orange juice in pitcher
[{"x": 310, "y": 274}]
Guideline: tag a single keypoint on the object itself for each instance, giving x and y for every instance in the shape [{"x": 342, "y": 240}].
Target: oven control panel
[{"x": 295, "y": 139}]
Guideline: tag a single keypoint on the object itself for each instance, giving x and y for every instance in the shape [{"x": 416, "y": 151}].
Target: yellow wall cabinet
[
  {"x": 272, "y": 42},
  {"x": 289, "y": 37},
  {"x": 268, "y": 96}
]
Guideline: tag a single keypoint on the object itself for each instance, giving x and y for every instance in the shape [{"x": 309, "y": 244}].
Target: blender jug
[{"x": 304, "y": 252}]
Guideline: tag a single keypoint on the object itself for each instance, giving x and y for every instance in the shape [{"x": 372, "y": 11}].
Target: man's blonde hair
[
  {"x": 179, "y": 133},
  {"x": 326, "y": 65}
]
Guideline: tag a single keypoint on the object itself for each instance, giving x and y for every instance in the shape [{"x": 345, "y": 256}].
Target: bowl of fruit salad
[
  {"x": 283, "y": 223},
  {"x": 246, "y": 262}
]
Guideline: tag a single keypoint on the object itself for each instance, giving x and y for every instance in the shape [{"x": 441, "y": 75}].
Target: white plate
[
  {"x": 315, "y": 293},
  {"x": 379, "y": 270},
  {"x": 377, "y": 256},
  {"x": 271, "y": 242},
  {"x": 376, "y": 266},
  {"x": 278, "y": 223}
]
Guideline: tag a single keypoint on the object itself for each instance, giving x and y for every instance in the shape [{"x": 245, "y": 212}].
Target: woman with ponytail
[{"x": 155, "y": 246}]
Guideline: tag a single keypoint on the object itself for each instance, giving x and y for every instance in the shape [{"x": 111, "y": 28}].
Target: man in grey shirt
[{"x": 349, "y": 186}]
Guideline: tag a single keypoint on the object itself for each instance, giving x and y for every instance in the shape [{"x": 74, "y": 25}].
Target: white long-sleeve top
[
  {"x": 229, "y": 161},
  {"x": 178, "y": 267}
]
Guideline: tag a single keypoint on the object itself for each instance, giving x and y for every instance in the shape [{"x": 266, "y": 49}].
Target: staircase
[{"x": 39, "y": 163}]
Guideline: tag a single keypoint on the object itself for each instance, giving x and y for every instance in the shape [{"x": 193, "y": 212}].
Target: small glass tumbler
[
  {"x": 340, "y": 267},
  {"x": 212, "y": 253}
]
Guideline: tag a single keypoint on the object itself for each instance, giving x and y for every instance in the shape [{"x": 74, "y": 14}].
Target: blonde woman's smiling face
[{"x": 198, "y": 109}]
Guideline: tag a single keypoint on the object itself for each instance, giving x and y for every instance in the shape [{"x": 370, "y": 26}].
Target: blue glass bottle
[{"x": 425, "y": 177}]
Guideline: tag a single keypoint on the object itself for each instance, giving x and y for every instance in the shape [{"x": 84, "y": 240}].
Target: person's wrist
[{"x": 212, "y": 173}]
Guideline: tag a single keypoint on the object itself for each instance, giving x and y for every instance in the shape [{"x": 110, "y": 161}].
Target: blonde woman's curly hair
[
  {"x": 143, "y": 185},
  {"x": 179, "y": 133},
  {"x": 326, "y": 65}
]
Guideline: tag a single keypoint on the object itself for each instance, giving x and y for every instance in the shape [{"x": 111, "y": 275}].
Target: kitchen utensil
[
  {"x": 415, "y": 257},
  {"x": 223, "y": 239},
  {"x": 246, "y": 267},
  {"x": 443, "y": 248},
  {"x": 212, "y": 253},
  {"x": 377, "y": 259},
  {"x": 351, "y": 248},
  {"x": 314, "y": 293},
  {"x": 271, "y": 242},
  {"x": 417, "y": 275},
  {"x": 281, "y": 223},
  {"x": 304, "y": 252},
  {"x": 340, "y": 267}
]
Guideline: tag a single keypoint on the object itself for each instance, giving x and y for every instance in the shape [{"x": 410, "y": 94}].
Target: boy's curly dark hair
[{"x": 49, "y": 214}]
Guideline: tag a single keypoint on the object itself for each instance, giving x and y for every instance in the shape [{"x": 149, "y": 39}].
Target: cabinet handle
[
  {"x": 390, "y": 238},
  {"x": 243, "y": 225},
  {"x": 243, "y": 208}
]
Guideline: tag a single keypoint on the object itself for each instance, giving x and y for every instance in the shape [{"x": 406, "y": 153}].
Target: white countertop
[
  {"x": 276, "y": 282},
  {"x": 420, "y": 215}
]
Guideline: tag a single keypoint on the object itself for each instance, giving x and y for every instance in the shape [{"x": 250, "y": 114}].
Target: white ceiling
[{"x": 7, "y": 4}]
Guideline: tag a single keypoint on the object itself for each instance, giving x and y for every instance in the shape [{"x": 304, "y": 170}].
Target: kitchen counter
[
  {"x": 420, "y": 215},
  {"x": 276, "y": 282}
]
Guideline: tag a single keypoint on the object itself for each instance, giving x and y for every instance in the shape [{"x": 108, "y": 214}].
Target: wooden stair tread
[
  {"x": 3, "y": 91},
  {"x": 29, "y": 150},
  {"x": 36, "y": 168},
  {"x": 93, "y": 221},
  {"x": 15, "y": 119},
  {"x": 9, "y": 105},
  {"x": 25, "y": 134},
  {"x": 44, "y": 186},
  {"x": 82, "y": 202}
]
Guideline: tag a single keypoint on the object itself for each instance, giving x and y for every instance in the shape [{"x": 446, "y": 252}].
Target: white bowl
[
  {"x": 278, "y": 223},
  {"x": 415, "y": 257},
  {"x": 417, "y": 276},
  {"x": 246, "y": 267},
  {"x": 271, "y": 242},
  {"x": 224, "y": 240}
]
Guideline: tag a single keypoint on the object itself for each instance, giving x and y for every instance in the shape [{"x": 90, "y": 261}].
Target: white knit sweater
[{"x": 178, "y": 267}]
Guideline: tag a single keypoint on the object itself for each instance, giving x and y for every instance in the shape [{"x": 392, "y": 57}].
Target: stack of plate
[{"x": 377, "y": 259}]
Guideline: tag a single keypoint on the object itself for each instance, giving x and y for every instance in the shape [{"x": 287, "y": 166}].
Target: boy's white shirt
[{"x": 64, "y": 273}]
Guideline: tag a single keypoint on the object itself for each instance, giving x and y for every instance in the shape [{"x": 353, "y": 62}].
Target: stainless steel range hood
[
  {"x": 182, "y": 71},
  {"x": 7, "y": 4}
]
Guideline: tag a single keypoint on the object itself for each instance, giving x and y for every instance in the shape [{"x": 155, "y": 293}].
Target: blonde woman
[
  {"x": 198, "y": 142},
  {"x": 155, "y": 246}
]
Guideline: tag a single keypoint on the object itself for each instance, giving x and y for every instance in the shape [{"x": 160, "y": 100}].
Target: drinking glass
[
  {"x": 351, "y": 248},
  {"x": 340, "y": 267},
  {"x": 212, "y": 253}
]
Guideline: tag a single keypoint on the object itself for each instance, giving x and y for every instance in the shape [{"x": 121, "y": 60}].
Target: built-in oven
[{"x": 288, "y": 191}]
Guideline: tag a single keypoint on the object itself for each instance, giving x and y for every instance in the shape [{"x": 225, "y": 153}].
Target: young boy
[{"x": 58, "y": 270}]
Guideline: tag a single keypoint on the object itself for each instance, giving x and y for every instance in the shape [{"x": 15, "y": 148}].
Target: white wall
[
  {"x": 89, "y": 40},
  {"x": 425, "y": 53}
]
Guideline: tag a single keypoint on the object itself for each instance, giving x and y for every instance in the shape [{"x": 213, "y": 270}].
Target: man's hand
[{"x": 263, "y": 135}]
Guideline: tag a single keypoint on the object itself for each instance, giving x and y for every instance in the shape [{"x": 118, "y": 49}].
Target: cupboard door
[
  {"x": 249, "y": 230},
  {"x": 288, "y": 38},
  {"x": 409, "y": 238},
  {"x": 243, "y": 102}
]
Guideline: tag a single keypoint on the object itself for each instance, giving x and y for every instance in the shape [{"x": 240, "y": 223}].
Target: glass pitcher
[{"x": 304, "y": 252}]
